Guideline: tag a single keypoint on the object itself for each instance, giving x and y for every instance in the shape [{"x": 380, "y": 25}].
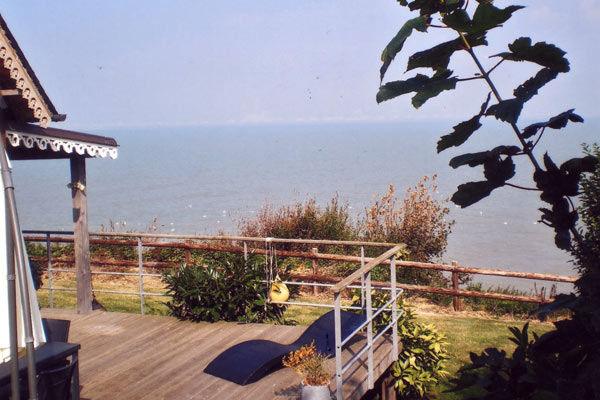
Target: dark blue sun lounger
[{"x": 249, "y": 361}]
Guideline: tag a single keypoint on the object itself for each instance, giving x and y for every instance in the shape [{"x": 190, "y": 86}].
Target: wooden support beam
[
  {"x": 80, "y": 228},
  {"x": 10, "y": 92}
]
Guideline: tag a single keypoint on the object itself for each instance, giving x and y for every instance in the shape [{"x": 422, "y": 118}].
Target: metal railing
[
  {"x": 364, "y": 273},
  {"x": 49, "y": 237},
  {"x": 146, "y": 240}
]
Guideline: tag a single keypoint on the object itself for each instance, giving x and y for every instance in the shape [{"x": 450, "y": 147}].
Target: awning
[{"x": 28, "y": 141}]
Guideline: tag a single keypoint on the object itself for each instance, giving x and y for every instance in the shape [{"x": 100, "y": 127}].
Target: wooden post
[
  {"x": 315, "y": 266},
  {"x": 455, "y": 299},
  {"x": 188, "y": 256},
  {"x": 81, "y": 235}
]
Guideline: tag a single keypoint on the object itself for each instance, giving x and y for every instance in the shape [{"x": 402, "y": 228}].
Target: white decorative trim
[
  {"x": 57, "y": 144},
  {"x": 29, "y": 91}
]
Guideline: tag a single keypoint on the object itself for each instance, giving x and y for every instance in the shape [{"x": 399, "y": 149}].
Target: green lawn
[{"x": 474, "y": 334}]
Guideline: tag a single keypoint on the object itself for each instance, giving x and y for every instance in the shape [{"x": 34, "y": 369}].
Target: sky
[{"x": 187, "y": 63}]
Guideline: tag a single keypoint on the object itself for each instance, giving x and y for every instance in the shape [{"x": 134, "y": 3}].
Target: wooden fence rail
[{"x": 116, "y": 239}]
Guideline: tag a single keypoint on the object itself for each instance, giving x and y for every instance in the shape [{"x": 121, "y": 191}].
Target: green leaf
[
  {"x": 531, "y": 86},
  {"x": 562, "y": 220},
  {"x": 506, "y": 110},
  {"x": 541, "y": 53},
  {"x": 428, "y": 7},
  {"x": 424, "y": 86},
  {"x": 463, "y": 130},
  {"x": 438, "y": 57},
  {"x": 557, "y": 122},
  {"x": 396, "y": 44},
  {"x": 486, "y": 17},
  {"x": 499, "y": 171},
  {"x": 479, "y": 158},
  {"x": 471, "y": 192}
]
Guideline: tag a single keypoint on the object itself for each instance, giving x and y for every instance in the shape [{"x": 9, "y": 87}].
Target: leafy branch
[{"x": 556, "y": 184}]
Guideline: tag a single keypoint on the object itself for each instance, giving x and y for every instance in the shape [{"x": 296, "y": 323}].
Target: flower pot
[{"x": 315, "y": 392}]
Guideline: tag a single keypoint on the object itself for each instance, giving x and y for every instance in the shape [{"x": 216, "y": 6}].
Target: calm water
[{"x": 203, "y": 180}]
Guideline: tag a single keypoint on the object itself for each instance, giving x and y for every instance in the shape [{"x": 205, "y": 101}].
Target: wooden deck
[{"x": 130, "y": 356}]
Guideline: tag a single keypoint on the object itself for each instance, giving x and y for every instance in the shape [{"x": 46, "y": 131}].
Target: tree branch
[
  {"x": 538, "y": 138},
  {"x": 499, "y": 98},
  {"x": 470, "y": 79},
  {"x": 521, "y": 187},
  {"x": 495, "y": 66}
]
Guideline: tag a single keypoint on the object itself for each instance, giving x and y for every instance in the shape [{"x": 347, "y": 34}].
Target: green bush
[
  {"x": 37, "y": 271},
  {"x": 527, "y": 374},
  {"x": 228, "y": 289},
  {"x": 420, "y": 365},
  {"x": 302, "y": 221},
  {"x": 495, "y": 306}
]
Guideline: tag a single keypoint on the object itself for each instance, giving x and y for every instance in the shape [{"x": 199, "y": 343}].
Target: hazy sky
[{"x": 167, "y": 63}]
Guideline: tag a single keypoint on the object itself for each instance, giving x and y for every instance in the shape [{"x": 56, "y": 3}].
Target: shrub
[
  {"x": 302, "y": 220},
  {"x": 37, "y": 270},
  {"x": 420, "y": 365},
  {"x": 228, "y": 290},
  {"x": 528, "y": 374},
  {"x": 419, "y": 222},
  {"x": 309, "y": 364},
  {"x": 495, "y": 306}
]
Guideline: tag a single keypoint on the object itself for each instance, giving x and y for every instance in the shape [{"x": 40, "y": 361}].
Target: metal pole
[
  {"x": 245, "y": 251},
  {"x": 12, "y": 311},
  {"x": 370, "y": 380},
  {"x": 141, "y": 272},
  {"x": 362, "y": 279},
  {"x": 337, "y": 314},
  {"x": 13, "y": 219},
  {"x": 394, "y": 307},
  {"x": 49, "y": 255}
]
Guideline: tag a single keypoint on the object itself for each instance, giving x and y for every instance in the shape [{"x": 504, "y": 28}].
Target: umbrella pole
[
  {"x": 12, "y": 312},
  {"x": 13, "y": 222}
]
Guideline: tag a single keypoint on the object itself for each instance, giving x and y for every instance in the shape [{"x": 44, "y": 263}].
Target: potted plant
[{"x": 309, "y": 364}]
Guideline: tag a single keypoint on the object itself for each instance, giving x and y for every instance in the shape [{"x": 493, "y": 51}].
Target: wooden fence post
[
  {"x": 188, "y": 256},
  {"x": 315, "y": 267},
  {"x": 455, "y": 299}
]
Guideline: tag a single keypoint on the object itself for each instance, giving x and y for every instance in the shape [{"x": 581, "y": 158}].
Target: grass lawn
[{"x": 474, "y": 334}]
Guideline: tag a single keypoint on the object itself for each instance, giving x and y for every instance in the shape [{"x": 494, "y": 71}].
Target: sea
[{"x": 206, "y": 179}]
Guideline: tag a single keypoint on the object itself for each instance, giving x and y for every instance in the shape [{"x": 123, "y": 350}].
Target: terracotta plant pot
[{"x": 315, "y": 392}]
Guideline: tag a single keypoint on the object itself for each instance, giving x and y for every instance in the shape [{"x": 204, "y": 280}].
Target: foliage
[
  {"x": 527, "y": 374},
  {"x": 420, "y": 365},
  {"x": 302, "y": 220},
  {"x": 467, "y": 24},
  {"x": 37, "y": 270},
  {"x": 418, "y": 221},
  {"x": 495, "y": 306},
  {"x": 229, "y": 290},
  {"x": 309, "y": 364},
  {"x": 564, "y": 362}
]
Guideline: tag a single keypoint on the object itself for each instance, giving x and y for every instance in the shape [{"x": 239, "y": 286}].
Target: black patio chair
[
  {"x": 55, "y": 383},
  {"x": 57, "y": 330},
  {"x": 249, "y": 361}
]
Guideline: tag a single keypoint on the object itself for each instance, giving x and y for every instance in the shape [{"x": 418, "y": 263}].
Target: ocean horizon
[{"x": 204, "y": 180}]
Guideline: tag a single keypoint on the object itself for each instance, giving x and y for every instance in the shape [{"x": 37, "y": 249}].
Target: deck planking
[{"x": 152, "y": 357}]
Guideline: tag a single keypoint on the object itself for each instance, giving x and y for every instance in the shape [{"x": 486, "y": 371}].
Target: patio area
[{"x": 153, "y": 357}]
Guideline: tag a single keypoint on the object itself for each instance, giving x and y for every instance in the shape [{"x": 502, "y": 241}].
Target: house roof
[
  {"x": 24, "y": 102},
  {"x": 31, "y": 104}
]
